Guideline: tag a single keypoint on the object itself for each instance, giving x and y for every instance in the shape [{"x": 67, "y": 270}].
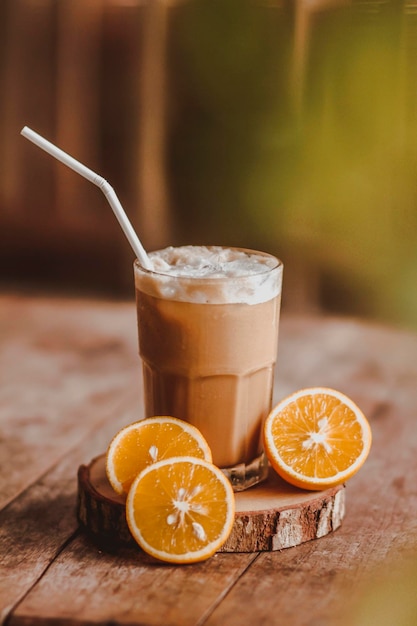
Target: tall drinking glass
[{"x": 208, "y": 331}]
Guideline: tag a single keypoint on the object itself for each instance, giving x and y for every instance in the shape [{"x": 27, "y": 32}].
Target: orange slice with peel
[
  {"x": 147, "y": 441},
  {"x": 317, "y": 438},
  {"x": 180, "y": 510}
]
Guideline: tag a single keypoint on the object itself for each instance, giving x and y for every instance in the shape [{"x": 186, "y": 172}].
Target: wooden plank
[
  {"x": 372, "y": 363},
  {"x": 78, "y": 584},
  {"x": 70, "y": 378},
  {"x": 84, "y": 586},
  {"x": 34, "y": 531},
  {"x": 37, "y": 524},
  {"x": 64, "y": 367},
  {"x": 26, "y": 81},
  {"x": 79, "y": 27},
  {"x": 153, "y": 214},
  {"x": 43, "y": 519}
]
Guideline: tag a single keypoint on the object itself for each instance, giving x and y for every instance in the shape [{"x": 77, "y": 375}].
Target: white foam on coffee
[{"x": 202, "y": 274}]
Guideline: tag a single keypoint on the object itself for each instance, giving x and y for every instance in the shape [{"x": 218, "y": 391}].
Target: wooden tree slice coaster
[{"x": 270, "y": 516}]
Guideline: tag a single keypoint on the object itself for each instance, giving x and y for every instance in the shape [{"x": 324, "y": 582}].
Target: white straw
[{"x": 101, "y": 182}]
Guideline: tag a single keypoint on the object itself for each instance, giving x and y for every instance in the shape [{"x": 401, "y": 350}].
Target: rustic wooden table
[{"x": 70, "y": 377}]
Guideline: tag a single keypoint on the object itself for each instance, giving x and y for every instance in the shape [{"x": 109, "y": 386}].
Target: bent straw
[{"x": 101, "y": 182}]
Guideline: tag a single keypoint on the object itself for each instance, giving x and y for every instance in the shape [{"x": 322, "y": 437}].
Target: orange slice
[
  {"x": 317, "y": 438},
  {"x": 149, "y": 440},
  {"x": 180, "y": 510}
]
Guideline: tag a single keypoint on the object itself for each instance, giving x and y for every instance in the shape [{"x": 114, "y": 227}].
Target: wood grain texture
[
  {"x": 270, "y": 516},
  {"x": 86, "y": 586},
  {"x": 69, "y": 381},
  {"x": 65, "y": 366},
  {"x": 40, "y": 521}
]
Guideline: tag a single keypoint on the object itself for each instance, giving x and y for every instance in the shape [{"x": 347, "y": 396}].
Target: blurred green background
[{"x": 278, "y": 125}]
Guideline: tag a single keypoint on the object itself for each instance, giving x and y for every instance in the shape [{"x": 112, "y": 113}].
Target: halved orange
[
  {"x": 180, "y": 510},
  {"x": 317, "y": 438},
  {"x": 149, "y": 440}
]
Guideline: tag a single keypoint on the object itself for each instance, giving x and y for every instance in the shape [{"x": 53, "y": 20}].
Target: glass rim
[{"x": 250, "y": 251}]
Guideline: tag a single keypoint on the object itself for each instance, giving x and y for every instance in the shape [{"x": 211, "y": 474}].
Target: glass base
[{"x": 243, "y": 476}]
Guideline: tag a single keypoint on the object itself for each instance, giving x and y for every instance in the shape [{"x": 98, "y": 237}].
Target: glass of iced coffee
[{"x": 208, "y": 331}]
